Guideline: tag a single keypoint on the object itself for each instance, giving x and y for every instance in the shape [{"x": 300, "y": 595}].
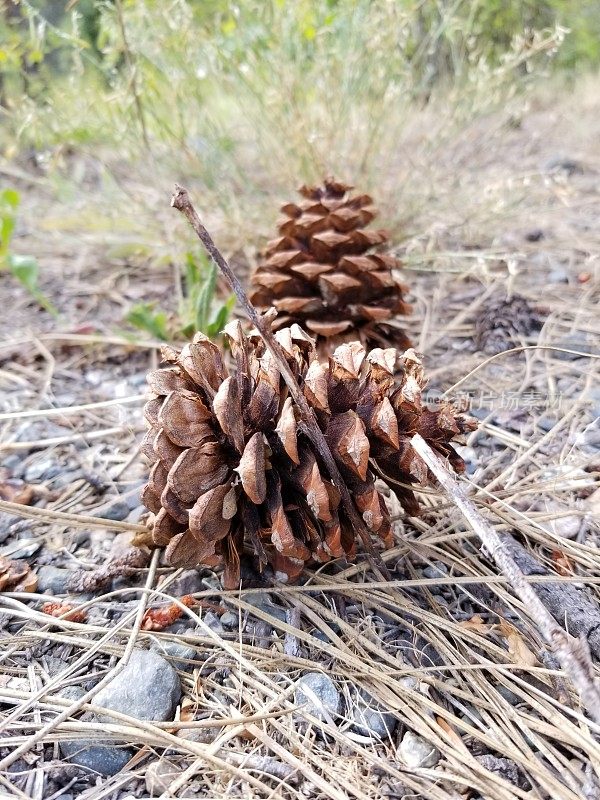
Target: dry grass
[{"x": 484, "y": 681}]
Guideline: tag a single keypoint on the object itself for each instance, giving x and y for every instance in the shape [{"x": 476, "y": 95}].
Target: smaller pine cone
[
  {"x": 320, "y": 274},
  {"x": 501, "y": 323},
  {"x": 233, "y": 469}
]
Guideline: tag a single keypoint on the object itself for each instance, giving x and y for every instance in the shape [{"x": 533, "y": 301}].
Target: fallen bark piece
[
  {"x": 572, "y": 607},
  {"x": 16, "y": 576}
]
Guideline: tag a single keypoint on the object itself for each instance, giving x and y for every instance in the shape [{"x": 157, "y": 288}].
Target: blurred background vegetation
[{"x": 108, "y": 102}]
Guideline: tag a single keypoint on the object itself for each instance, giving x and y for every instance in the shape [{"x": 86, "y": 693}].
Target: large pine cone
[
  {"x": 233, "y": 467},
  {"x": 318, "y": 272}
]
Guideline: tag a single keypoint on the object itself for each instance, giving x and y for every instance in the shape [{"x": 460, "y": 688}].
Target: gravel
[
  {"x": 318, "y": 694},
  {"x": 416, "y": 752},
  {"x": 99, "y": 758},
  {"x": 53, "y": 580},
  {"x": 147, "y": 689},
  {"x": 370, "y": 718},
  {"x": 189, "y": 582},
  {"x": 160, "y": 775}
]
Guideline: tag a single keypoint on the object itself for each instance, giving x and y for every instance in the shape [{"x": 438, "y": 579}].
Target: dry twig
[{"x": 573, "y": 654}]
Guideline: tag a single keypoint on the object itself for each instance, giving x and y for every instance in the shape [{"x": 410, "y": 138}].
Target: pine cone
[
  {"x": 501, "y": 322},
  {"x": 318, "y": 272},
  {"x": 233, "y": 467}
]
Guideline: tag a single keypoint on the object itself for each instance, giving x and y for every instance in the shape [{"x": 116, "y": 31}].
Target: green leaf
[
  {"x": 205, "y": 299},
  {"x": 26, "y": 270},
  {"x": 145, "y": 318},
  {"x": 222, "y": 317},
  {"x": 10, "y": 197}
]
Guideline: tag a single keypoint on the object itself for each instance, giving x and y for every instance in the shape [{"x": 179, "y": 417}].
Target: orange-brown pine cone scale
[
  {"x": 320, "y": 272},
  {"x": 233, "y": 470}
]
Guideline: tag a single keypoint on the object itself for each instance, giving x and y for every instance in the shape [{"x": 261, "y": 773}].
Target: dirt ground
[{"x": 474, "y": 705}]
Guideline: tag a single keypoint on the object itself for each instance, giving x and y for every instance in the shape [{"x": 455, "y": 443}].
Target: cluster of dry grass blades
[{"x": 454, "y": 656}]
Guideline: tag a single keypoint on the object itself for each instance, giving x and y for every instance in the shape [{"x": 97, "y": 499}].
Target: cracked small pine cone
[
  {"x": 502, "y": 323},
  {"x": 233, "y": 470},
  {"x": 321, "y": 271}
]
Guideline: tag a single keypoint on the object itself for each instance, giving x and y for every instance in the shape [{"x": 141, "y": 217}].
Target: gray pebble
[
  {"x": 136, "y": 514},
  {"x": 438, "y": 570},
  {"x": 53, "y": 580},
  {"x": 160, "y": 775},
  {"x": 41, "y": 470},
  {"x": 116, "y": 510},
  {"x": 318, "y": 694},
  {"x": 99, "y": 758},
  {"x": 189, "y": 582},
  {"x": 263, "y": 602},
  {"x": 21, "y": 548},
  {"x": 370, "y": 718},
  {"x": 67, "y": 478},
  {"x": 6, "y": 523},
  {"x": 73, "y": 692},
  {"x": 230, "y": 620},
  {"x": 506, "y": 768},
  {"x": 147, "y": 689},
  {"x": 416, "y": 752},
  {"x": 546, "y": 422},
  {"x": 579, "y": 342},
  {"x": 180, "y": 654}
]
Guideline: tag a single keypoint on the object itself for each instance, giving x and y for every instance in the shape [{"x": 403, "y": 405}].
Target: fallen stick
[{"x": 573, "y": 654}]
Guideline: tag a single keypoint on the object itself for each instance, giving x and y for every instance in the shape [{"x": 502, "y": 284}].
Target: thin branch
[
  {"x": 181, "y": 201},
  {"x": 573, "y": 654}
]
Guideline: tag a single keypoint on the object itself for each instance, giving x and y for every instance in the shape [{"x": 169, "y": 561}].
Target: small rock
[
  {"x": 41, "y": 471},
  {"x": 179, "y": 653},
  {"x": 318, "y": 694},
  {"x": 264, "y": 603},
  {"x": 147, "y": 689},
  {"x": 116, "y": 510},
  {"x": 534, "y": 235},
  {"x": 136, "y": 514},
  {"x": 370, "y": 718},
  {"x": 438, "y": 570},
  {"x": 506, "y": 768},
  {"x": 53, "y": 580},
  {"x": 569, "y": 166},
  {"x": 189, "y": 582},
  {"x": 230, "y": 620},
  {"x": 73, "y": 692},
  {"x": 21, "y": 548},
  {"x": 578, "y": 342},
  {"x": 67, "y": 478},
  {"x": 567, "y": 526},
  {"x": 6, "y": 523},
  {"x": 416, "y": 752},
  {"x": 546, "y": 422},
  {"x": 160, "y": 775},
  {"x": 99, "y": 758}
]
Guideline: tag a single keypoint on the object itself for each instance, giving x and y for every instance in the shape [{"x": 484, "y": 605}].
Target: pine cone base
[{"x": 234, "y": 470}]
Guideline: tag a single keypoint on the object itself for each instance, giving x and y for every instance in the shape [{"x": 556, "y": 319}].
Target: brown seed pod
[
  {"x": 233, "y": 468},
  {"x": 325, "y": 272}
]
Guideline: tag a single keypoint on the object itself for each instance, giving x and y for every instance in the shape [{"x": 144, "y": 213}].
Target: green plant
[
  {"x": 199, "y": 308},
  {"x": 24, "y": 268}
]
